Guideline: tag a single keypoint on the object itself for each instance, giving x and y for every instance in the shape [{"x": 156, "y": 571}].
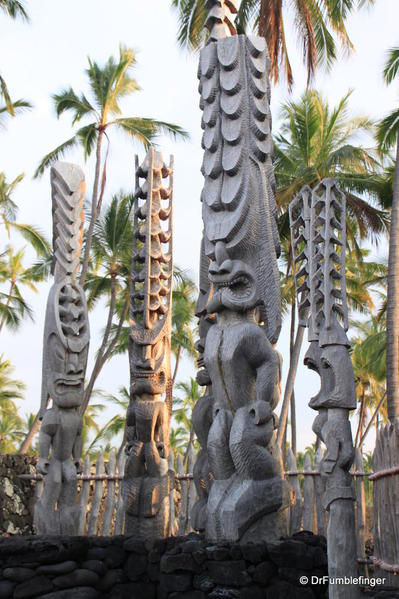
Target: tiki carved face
[
  {"x": 66, "y": 345},
  {"x": 148, "y": 355}
]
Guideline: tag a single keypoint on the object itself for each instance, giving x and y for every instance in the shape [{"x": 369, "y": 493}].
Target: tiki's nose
[
  {"x": 73, "y": 366},
  {"x": 222, "y": 265}
]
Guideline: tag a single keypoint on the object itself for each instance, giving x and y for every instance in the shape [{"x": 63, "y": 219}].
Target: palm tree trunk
[
  {"x": 361, "y": 419},
  {"x": 392, "y": 358},
  {"x": 27, "y": 442},
  {"x": 97, "y": 365},
  {"x": 94, "y": 209},
  {"x": 290, "y": 383},
  {"x": 178, "y": 354},
  {"x": 374, "y": 417}
]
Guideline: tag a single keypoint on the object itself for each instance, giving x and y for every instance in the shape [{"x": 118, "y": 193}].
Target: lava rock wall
[{"x": 172, "y": 568}]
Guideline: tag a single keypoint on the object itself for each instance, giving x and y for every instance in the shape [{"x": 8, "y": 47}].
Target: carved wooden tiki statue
[
  {"x": 65, "y": 350},
  {"x": 147, "y": 482},
  {"x": 237, "y": 420}
]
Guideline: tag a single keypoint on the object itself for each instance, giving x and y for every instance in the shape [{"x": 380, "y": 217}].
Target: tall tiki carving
[
  {"x": 318, "y": 233},
  {"x": 147, "y": 482},
  {"x": 241, "y": 246},
  {"x": 65, "y": 350}
]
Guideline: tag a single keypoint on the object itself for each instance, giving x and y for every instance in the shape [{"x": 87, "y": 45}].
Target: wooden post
[
  {"x": 308, "y": 496},
  {"x": 319, "y": 491},
  {"x": 84, "y": 497},
  {"x": 110, "y": 503},
  {"x": 360, "y": 509},
  {"x": 172, "y": 515},
  {"x": 183, "y": 506},
  {"x": 98, "y": 494},
  {"x": 192, "y": 493},
  {"x": 120, "y": 512},
  {"x": 296, "y": 507}
]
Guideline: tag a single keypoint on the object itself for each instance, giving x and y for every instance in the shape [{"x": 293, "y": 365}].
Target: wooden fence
[
  {"x": 306, "y": 510},
  {"x": 102, "y": 510}
]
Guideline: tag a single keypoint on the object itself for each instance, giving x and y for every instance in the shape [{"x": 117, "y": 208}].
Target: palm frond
[
  {"x": 391, "y": 68},
  {"x": 55, "y": 155}
]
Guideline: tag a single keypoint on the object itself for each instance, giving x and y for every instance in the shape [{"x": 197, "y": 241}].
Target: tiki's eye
[{"x": 57, "y": 350}]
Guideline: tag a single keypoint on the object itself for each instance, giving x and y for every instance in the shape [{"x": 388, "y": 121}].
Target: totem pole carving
[
  {"x": 319, "y": 259},
  {"x": 242, "y": 245},
  {"x": 203, "y": 409},
  {"x": 148, "y": 481},
  {"x": 65, "y": 350}
]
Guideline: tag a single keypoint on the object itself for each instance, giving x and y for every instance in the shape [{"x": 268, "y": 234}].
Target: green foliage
[
  {"x": 316, "y": 24},
  {"x": 387, "y": 128},
  {"x": 108, "y": 85},
  {"x": 317, "y": 141},
  {"x": 10, "y": 423}
]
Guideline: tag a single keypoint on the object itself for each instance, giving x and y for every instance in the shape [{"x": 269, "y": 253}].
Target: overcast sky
[{"x": 41, "y": 58}]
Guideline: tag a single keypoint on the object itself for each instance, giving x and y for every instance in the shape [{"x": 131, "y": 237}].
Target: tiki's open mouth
[{"x": 63, "y": 386}]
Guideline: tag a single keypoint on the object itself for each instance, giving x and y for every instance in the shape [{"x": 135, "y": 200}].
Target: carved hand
[{"x": 42, "y": 466}]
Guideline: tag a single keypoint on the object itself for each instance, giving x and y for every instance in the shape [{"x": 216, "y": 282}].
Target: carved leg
[
  {"x": 67, "y": 504},
  {"x": 46, "y": 516}
]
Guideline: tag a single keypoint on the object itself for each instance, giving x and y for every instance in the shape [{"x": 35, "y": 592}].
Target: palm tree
[
  {"x": 10, "y": 423},
  {"x": 183, "y": 308},
  {"x": 10, "y": 388},
  {"x": 111, "y": 250},
  {"x": 14, "y": 9},
  {"x": 115, "y": 426},
  {"x": 109, "y": 84},
  {"x": 316, "y": 141},
  {"x": 8, "y": 215},
  {"x": 181, "y": 414},
  {"x": 387, "y": 134},
  {"x": 13, "y": 307},
  {"x": 316, "y": 23},
  {"x": 369, "y": 368}
]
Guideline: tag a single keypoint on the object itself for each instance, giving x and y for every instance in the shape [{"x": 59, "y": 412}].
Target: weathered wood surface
[
  {"x": 295, "y": 517},
  {"x": 386, "y": 503},
  {"x": 110, "y": 495},
  {"x": 360, "y": 510},
  {"x": 319, "y": 490},
  {"x": 308, "y": 496},
  {"x": 120, "y": 512},
  {"x": 98, "y": 494},
  {"x": 84, "y": 497}
]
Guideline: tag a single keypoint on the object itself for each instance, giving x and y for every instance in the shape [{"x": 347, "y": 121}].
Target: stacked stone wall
[
  {"x": 176, "y": 568},
  {"x": 16, "y": 495}
]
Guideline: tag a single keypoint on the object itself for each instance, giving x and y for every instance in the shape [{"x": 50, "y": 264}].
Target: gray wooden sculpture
[
  {"x": 65, "y": 350},
  {"x": 319, "y": 259},
  {"x": 203, "y": 409},
  {"x": 235, "y": 418},
  {"x": 148, "y": 482}
]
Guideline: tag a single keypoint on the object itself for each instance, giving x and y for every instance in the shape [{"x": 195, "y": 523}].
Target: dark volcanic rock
[
  {"x": 76, "y": 593},
  {"x": 231, "y": 573},
  {"x": 77, "y": 578},
  {"x": 34, "y": 587},
  {"x": 6, "y": 589},
  {"x": 176, "y": 582},
  {"x": 296, "y": 554},
  {"x": 57, "y": 569},
  {"x": 181, "y": 561},
  {"x": 264, "y": 572},
  {"x": 18, "y": 574},
  {"x": 135, "y": 566}
]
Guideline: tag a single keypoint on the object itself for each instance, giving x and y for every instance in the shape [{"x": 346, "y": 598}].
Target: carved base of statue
[
  {"x": 147, "y": 506},
  {"x": 57, "y": 511},
  {"x": 247, "y": 510}
]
